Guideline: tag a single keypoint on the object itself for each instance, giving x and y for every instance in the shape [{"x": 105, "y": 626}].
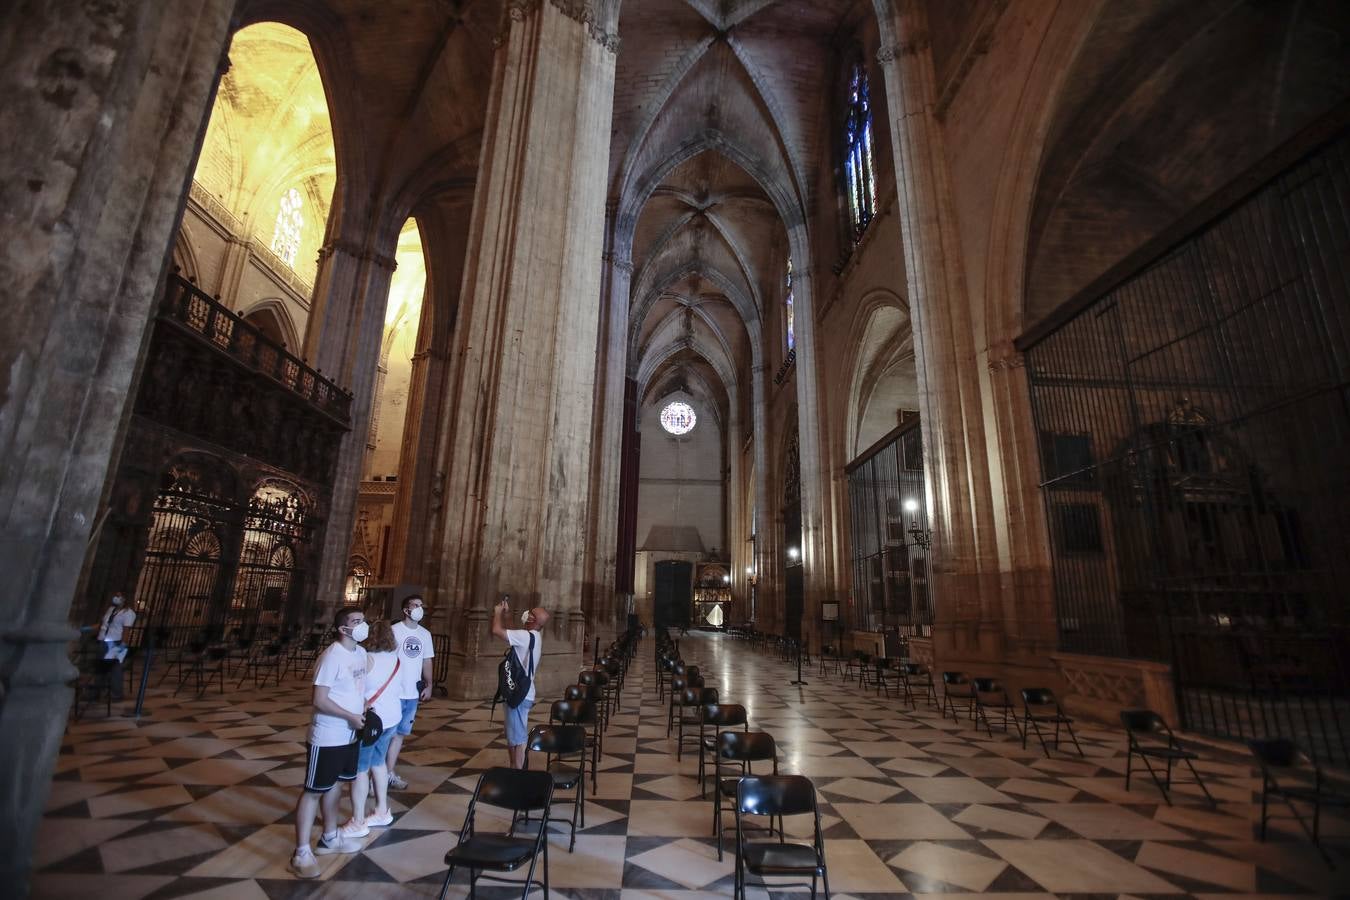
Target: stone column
[
  {"x": 964, "y": 557},
  {"x": 104, "y": 108},
  {"x": 768, "y": 588},
  {"x": 518, "y": 431},
  {"x": 1027, "y": 582},
  {"x": 813, "y": 454},
  {"x": 343, "y": 342},
  {"x": 603, "y": 606}
]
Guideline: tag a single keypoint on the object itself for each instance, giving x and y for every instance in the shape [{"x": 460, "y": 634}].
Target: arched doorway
[{"x": 673, "y": 593}]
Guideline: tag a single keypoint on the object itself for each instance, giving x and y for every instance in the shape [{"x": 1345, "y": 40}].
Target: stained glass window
[
  {"x": 290, "y": 222},
  {"x": 788, "y": 314},
  {"x": 678, "y": 418},
  {"x": 859, "y": 170}
]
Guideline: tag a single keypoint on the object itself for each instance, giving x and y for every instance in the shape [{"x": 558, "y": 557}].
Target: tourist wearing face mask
[
  {"x": 117, "y": 617},
  {"x": 415, "y": 650},
  {"x": 339, "y": 710}
]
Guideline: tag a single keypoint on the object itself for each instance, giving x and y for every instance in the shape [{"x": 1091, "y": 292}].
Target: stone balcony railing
[{"x": 189, "y": 307}]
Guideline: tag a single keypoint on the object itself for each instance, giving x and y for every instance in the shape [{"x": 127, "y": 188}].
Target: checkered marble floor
[{"x": 196, "y": 800}]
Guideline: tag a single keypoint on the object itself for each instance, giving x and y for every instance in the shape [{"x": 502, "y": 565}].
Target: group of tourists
[{"x": 367, "y": 686}]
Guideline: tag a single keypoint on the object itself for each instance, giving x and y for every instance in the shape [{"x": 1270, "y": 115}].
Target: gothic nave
[{"x": 998, "y": 339}]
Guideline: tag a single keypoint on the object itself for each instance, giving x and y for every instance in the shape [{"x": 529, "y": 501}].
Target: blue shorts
[
  {"x": 518, "y": 724},
  {"x": 368, "y": 757},
  {"x": 409, "y": 713}
]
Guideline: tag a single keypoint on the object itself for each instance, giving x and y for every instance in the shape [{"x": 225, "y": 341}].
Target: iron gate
[
  {"x": 1194, "y": 426},
  {"x": 187, "y": 560},
  {"x": 888, "y": 506},
  {"x": 276, "y": 528}
]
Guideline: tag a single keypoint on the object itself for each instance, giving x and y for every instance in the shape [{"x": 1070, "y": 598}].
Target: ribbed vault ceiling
[{"x": 719, "y": 114}]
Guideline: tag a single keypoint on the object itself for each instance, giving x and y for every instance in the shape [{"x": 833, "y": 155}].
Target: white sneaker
[
  {"x": 398, "y": 784},
  {"x": 355, "y": 829},
  {"x": 339, "y": 844},
  {"x": 383, "y": 821},
  {"x": 304, "y": 865}
]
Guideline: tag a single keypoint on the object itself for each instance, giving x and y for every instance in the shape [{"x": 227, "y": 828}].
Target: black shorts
[{"x": 329, "y": 765}]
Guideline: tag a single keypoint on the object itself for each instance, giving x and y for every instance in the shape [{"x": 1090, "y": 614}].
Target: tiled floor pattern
[{"x": 196, "y": 800}]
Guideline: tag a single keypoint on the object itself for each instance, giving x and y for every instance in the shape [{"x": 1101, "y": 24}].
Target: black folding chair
[
  {"x": 614, "y": 668},
  {"x": 692, "y": 699},
  {"x": 719, "y": 717},
  {"x": 664, "y": 670},
  {"x": 592, "y": 678},
  {"x": 595, "y": 696},
  {"x": 882, "y": 669},
  {"x": 778, "y": 795},
  {"x": 1041, "y": 708},
  {"x": 521, "y": 792},
  {"x": 580, "y": 712},
  {"x": 264, "y": 657},
  {"x": 1151, "y": 739},
  {"x": 678, "y": 682},
  {"x": 207, "y": 666},
  {"x": 303, "y": 656},
  {"x": 557, "y": 742},
  {"x": 98, "y": 686},
  {"x": 956, "y": 689},
  {"x": 857, "y": 664},
  {"x": 1291, "y": 775},
  {"x": 829, "y": 658},
  {"x": 991, "y": 696},
  {"x": 738, "y": 749},
  {"x": 914, "y": 676}
]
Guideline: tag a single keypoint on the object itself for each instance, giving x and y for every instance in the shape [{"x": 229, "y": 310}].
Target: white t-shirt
[
  {"x": 379, "y": 666},
  {"x": 114, "y": 620},
  {"x": 343, "y": 672},
  {"x": 520, "y": 641},
  {"x": 414, "y": 645}
]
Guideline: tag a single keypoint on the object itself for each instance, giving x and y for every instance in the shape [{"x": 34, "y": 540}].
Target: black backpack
[{"x": 513, "y": 682}]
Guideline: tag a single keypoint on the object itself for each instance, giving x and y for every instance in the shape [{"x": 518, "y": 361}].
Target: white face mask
[
  {"x": 360, "y": 631},
  {"x": 415, "y": 613},
  {"x": 525, "y": 617}
]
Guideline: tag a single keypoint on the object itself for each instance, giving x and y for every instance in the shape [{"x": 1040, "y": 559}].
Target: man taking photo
[{"x": 518, "y": 719}]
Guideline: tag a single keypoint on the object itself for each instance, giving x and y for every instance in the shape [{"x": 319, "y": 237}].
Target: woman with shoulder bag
[{"x": 382, "y": 664}]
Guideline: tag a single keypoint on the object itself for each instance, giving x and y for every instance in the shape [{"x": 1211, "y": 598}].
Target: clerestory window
[
  {"x": 859, "y": 171},
  {"x": 290, "y": 222}
]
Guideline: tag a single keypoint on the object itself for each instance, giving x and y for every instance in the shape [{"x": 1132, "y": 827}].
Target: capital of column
[
  {"x": 352, "y": 249},
  {"x": 888, "y": 52},
  {"x": 579, "y": 11},
  {"x": 621, "y": 263},
  {"x": 1004, "y": 356}
]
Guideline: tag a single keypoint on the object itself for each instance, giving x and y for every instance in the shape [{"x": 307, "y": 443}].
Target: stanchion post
[
  {"x": 799, "y": 666},
  {"x": 145, "y": 672}
]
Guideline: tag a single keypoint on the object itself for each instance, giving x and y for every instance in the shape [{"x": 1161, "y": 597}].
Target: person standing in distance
[
  {"x": 518, "y": 720},
  {"x": 117, "y": 617},
  {"x": 339, "y": 709},
  {"x": 416, "y": 650}
]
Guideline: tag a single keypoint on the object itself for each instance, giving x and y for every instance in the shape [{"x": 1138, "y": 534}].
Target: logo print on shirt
[{"x": 412, "y": 646}]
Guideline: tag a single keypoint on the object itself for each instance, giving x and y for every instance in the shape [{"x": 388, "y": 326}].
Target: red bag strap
[{"x": 398, "y": 661}]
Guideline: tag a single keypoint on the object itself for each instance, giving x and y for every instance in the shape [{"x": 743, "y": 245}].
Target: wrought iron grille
[
  {"x": 277, "y": 527},
  {"x": 215, "y": 565},
  {"x": 181, "y": 581},
  {"x": 1194, "y": 427},
  {"x": 888, "y": 506}
]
